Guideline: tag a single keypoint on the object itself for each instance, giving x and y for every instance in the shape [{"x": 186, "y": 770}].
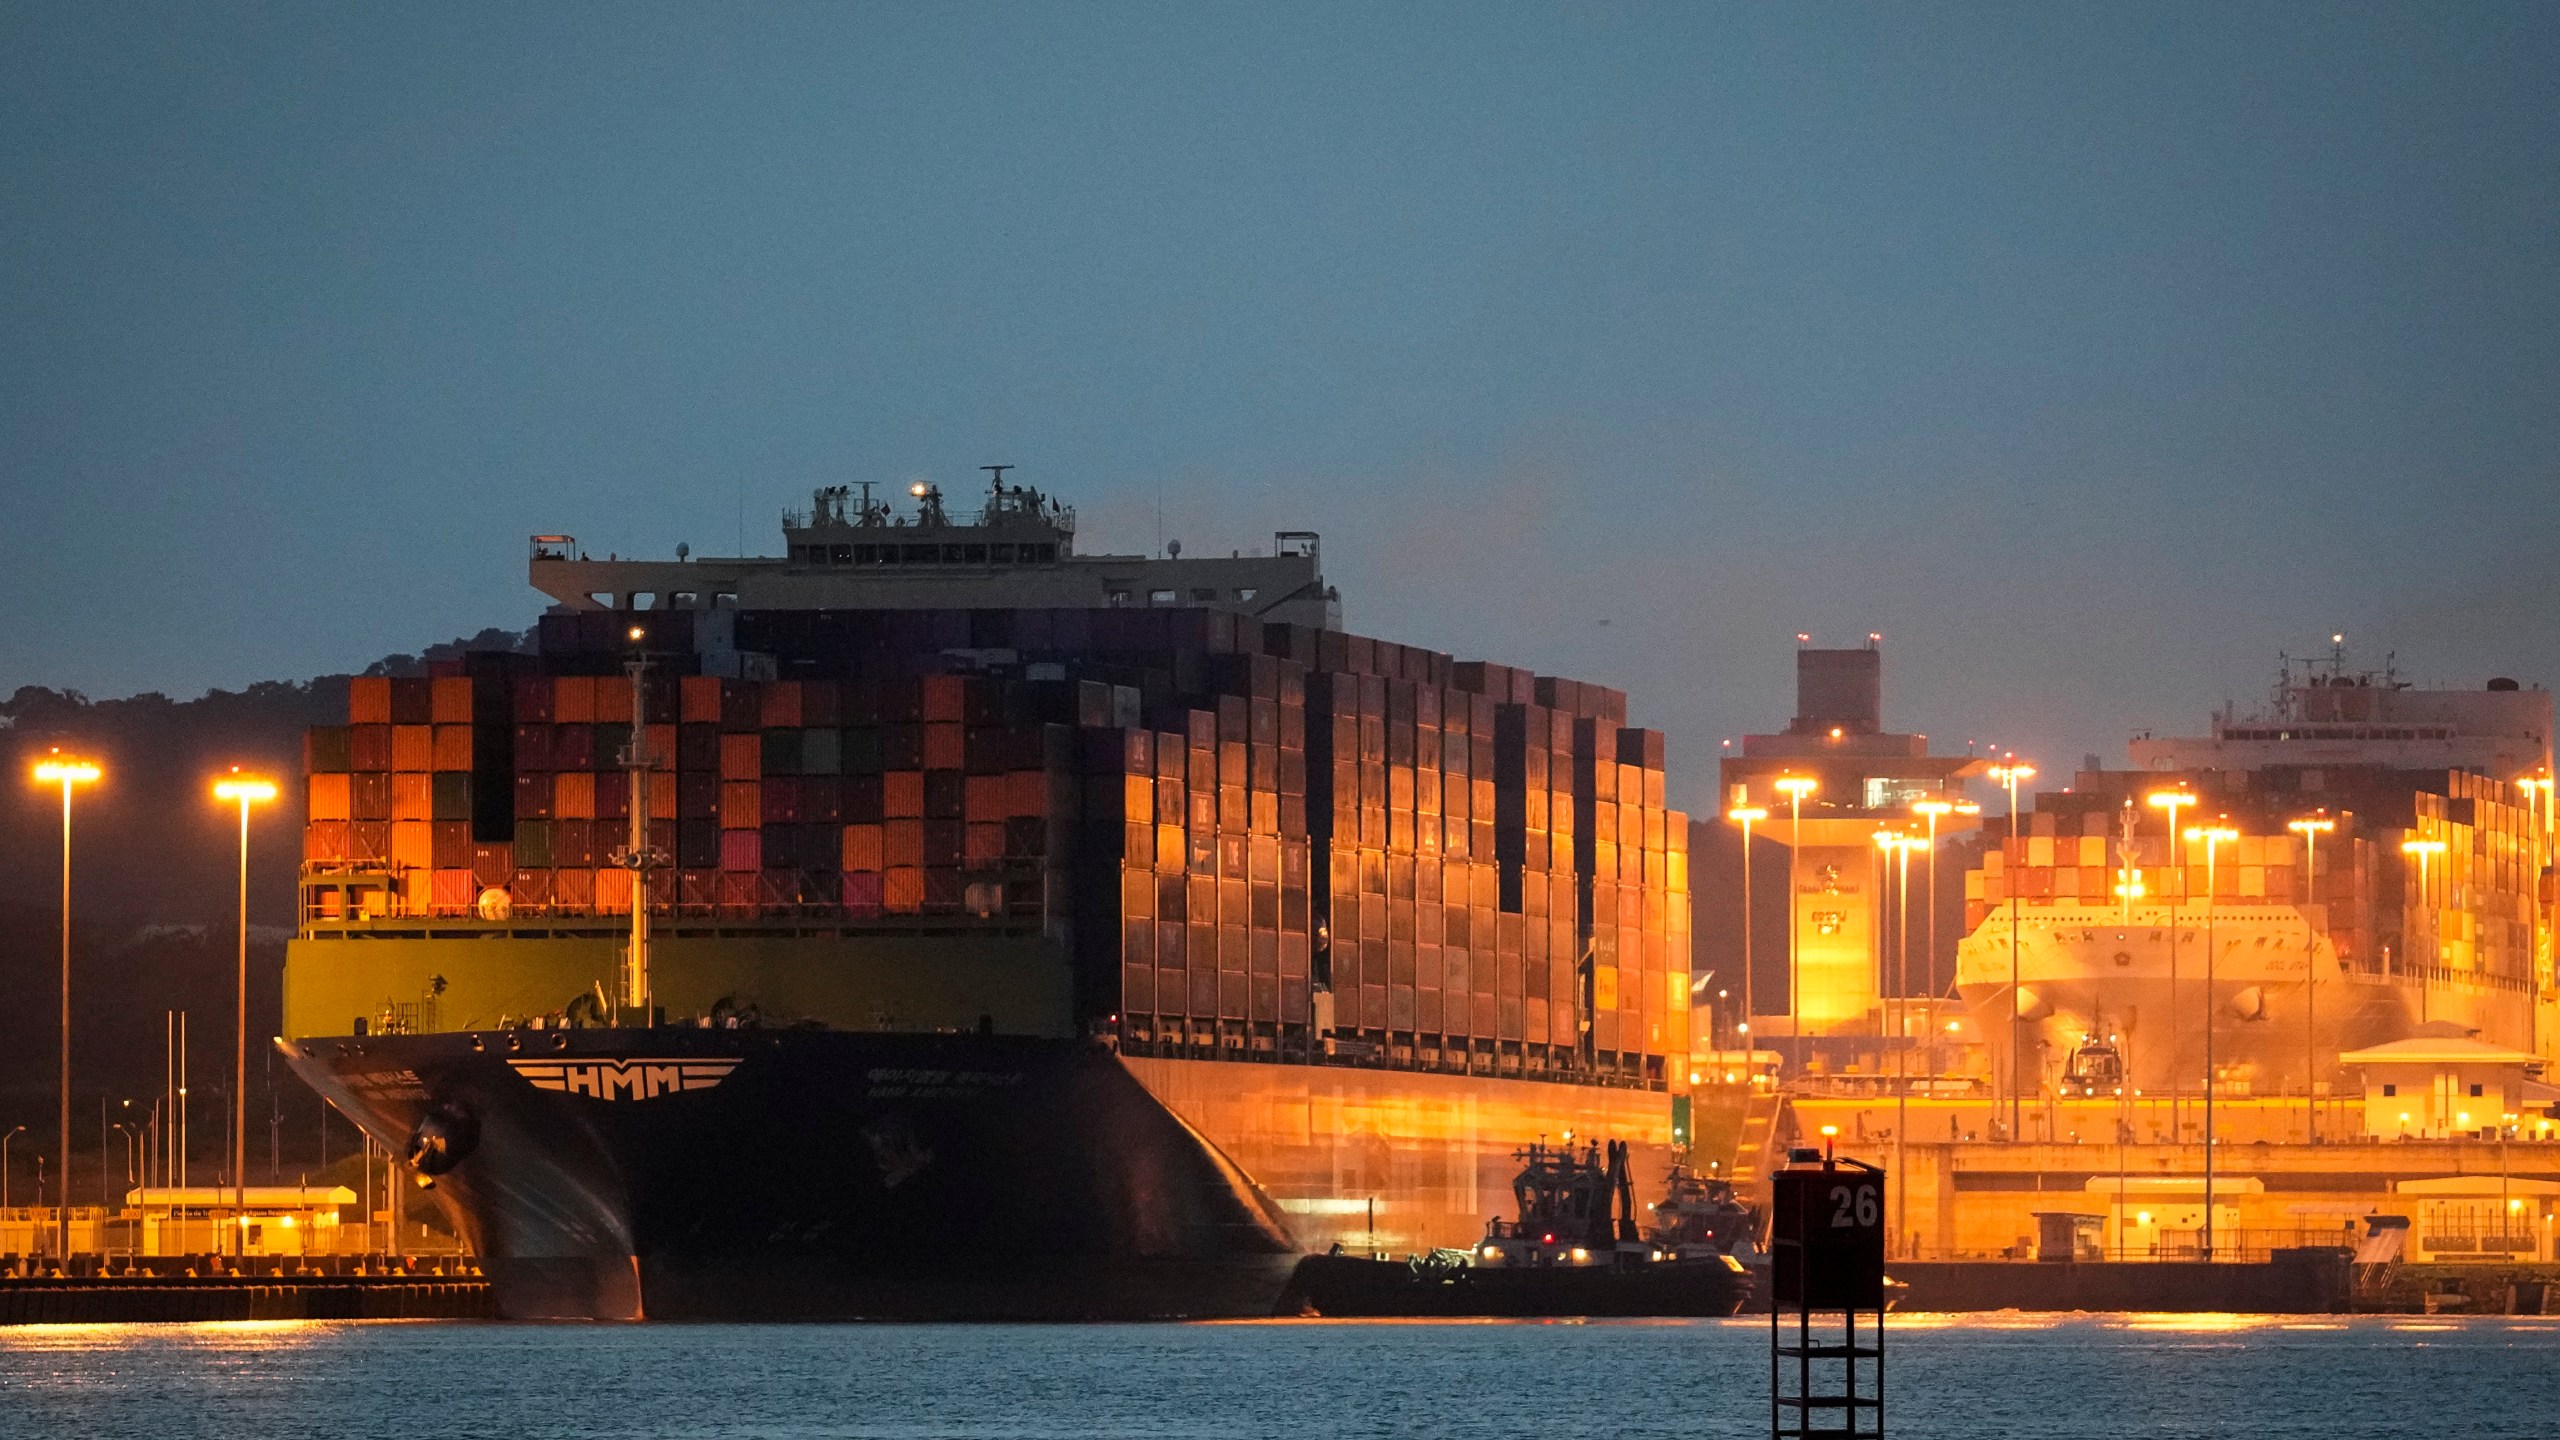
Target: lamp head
[
  {"x": 2169, "y": 800},
  {"x": 1931, "y": 808},
  {"x": 1746, "y": 814},
  {"x": 246, "y": 789},
  {"x": 1797, "y": 786},
  {"x": 60, "y": 769}
]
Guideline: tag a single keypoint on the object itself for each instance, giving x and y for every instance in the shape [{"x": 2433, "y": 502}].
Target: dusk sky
[{"x": 2093, "y": 354}]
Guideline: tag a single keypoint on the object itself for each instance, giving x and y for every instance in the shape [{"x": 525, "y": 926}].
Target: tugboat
[
  {"x": 2096, "y": 1068},
  {"x": 1576, "y": 1249}
]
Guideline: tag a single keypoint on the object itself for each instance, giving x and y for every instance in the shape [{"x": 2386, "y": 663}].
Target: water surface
[{"x": 2086, "y": 1377}]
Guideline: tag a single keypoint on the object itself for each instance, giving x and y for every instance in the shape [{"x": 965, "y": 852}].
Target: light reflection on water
[{"x": 2088, "y": 1377}]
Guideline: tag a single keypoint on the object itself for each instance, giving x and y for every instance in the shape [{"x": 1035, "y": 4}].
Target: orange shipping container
[
  {"x": 983, "y": 798},
  {"x": 741, "y": 804},
  {"x": 412, "y": 845},
  {"x": 326, "y": 841},
  {"x": 573, "y": 795},
  {"x": 1027, "y": 794},
  {"x": 983, "y": 843},
  {"x": 902, "y": 842},
  {"x": 902, "y": 892},
  {"x": 451, "y": 702},
  {"x": 329, "y": 797},
  {"x": 412, "y": 797},
  {"x": 369, "y": 700},
  {"x": 573, "y": 700},
  {"x": 452, "y": 746},
  {"x": 413, "y": 747},
  {"x": 862, "y": 847},
  {"x": 613, "y": 891},
  {"x": 741, "y": 756}
]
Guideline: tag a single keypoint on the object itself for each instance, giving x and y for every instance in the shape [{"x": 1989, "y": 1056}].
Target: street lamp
[
  {"x": 2533, "y": 786},
  {"x": 66, "y": 771},
  {"x": 2172, "y": 801},
  {"x": 2010, "y": 776},
  {"x": 13, "y": 1134},
  {"x": 2310, "y": 828},
  {"x": 2213, "y": 836},
  {"x": 245, "y": 791},
  {"x": 1745, "y": 816},
  {"x": 1795, "y": 788},
  {"x": 1900, "y": 847},
  {"x": 2426, "y": 850}
]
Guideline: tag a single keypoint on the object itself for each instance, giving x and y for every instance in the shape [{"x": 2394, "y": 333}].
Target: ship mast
[{"x": 636, "y": 856}]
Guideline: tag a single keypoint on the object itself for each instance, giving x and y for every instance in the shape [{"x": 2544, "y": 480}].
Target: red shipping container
[
  {"x": 741, "y": 805},
  {"x": 902, "y": 794},
  {"x": 530, "y": 890},
  {"x": 491, "y": 865},
  {"x": 862, "y": 893},
  {"x": 327, "y": 842},
  {"x": 453, "y": 892},
  {"x": 943, "y": 747},
  {"x": 451, "y": 842},
  {"x": 781, "y": 800},
  {"x": 369, "y": 841},
  {"x": 369, "y": 700},
  {"x": 741, "y": 755},
  {"x": 612, "y": 891},
  {"x": 741, "y": 851},
  {"x": 369, "y": 747},
  {"x": 944, "y": 698},
  {"x": 781, "y": 705},
  {"x": 700, "y": 704},
  {"x": 573, "y": 795},
  {"x": 903, "y": 842}
]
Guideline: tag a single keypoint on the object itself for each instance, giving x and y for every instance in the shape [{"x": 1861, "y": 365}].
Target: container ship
[
  {"x": 2383, "y": 874},
  {"x": 936, "y": 922}
]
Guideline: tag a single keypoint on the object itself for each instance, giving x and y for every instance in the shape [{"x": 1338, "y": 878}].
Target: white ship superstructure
[{"x": 2363, "y": 861}]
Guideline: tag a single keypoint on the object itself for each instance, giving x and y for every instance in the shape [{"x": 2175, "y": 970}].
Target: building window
[
  {"x": 2475, "y": 1092},
  {"x": 2389, "y": 1090}
]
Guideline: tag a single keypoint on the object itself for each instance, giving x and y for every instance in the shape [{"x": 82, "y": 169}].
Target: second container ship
[{"x": 937, "y": 922}]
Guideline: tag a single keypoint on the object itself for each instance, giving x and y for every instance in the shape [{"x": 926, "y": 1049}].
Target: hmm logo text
[{"x": 623, "y": 1079}]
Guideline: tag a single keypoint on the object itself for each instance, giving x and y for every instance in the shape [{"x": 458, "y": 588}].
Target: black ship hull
[
  {"x": 1350, "y": 1286},
  {"x": 680, "y": 1174}
]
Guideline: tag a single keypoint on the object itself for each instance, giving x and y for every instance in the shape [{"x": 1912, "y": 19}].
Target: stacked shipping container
[{"x": 1258, "y": 839}]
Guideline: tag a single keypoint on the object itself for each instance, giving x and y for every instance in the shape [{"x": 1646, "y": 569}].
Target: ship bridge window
[
  {"x": 975, "y": 554},
  {"x": 1246, "y": 592},
  {"x": 919, "y": 554},
  {"x": 1203, "y": 594},
  {"x": 724, "y": 599},
  {"x": 1000, "y": 553},
  {"x": 1039, "y": 554},
  {"x": 1119, "y": 597},
  {"x": 1163, "y": 597},
  {"x": 839, "y": 554},
  {"x": 682, "y": 599},
  {"x": 866, "y": 554},
  {"x": 955, "y": 554}
]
